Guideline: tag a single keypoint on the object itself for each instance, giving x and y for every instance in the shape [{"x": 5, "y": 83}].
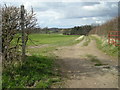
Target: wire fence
[{"x": 114, "y": 38}]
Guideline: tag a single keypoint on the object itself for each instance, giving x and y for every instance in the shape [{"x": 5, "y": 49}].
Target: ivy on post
[{"x": 23, "y": 32}]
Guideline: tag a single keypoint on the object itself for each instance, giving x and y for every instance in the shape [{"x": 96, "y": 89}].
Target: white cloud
[
  {"x": 67, "y": 14},
  {"x": 114, "y": 5},
  {"x": 97, "y": 7},
  {"x": 84, "y": 18},
  {"x": 49, "y": 15},
  {"x": 94, "y": 18}
]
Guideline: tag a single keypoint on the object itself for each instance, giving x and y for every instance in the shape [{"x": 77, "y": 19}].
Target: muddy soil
[{"x": 78, "y": 71}]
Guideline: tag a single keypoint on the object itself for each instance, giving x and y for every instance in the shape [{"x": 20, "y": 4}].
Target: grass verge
[
  {"x": 105, "y": 47},
  {"x": 36, "y": 71}
]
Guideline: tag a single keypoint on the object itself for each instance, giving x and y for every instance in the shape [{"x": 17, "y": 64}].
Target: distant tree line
[
  {"x": 44, "y": 30},
  {"x": 78, "y": 30}
]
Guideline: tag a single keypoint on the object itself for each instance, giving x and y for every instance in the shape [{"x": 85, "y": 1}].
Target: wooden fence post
[
  {"x": 0, "y": 47},
  {"x": 23, "y": 32}
]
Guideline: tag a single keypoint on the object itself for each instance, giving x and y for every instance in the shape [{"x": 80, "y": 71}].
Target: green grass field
[{"x": 50, "y": 38}]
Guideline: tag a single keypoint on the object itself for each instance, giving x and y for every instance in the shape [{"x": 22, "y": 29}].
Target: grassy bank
[{"x": 103, "y": 45}]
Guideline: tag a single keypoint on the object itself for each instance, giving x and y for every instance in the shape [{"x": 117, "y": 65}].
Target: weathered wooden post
[
  {"x": 0, "y": 47},
  {"x": 23, "y": 32}
]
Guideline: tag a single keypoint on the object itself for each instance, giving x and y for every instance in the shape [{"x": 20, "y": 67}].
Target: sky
[{"x": 69, "y": 13}]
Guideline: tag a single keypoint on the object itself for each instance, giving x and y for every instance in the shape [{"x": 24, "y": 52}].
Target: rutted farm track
[{"x": 86, "y": 67}]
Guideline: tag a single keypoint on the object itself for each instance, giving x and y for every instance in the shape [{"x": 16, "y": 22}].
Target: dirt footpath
[{"x": 78, "y": 71}]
